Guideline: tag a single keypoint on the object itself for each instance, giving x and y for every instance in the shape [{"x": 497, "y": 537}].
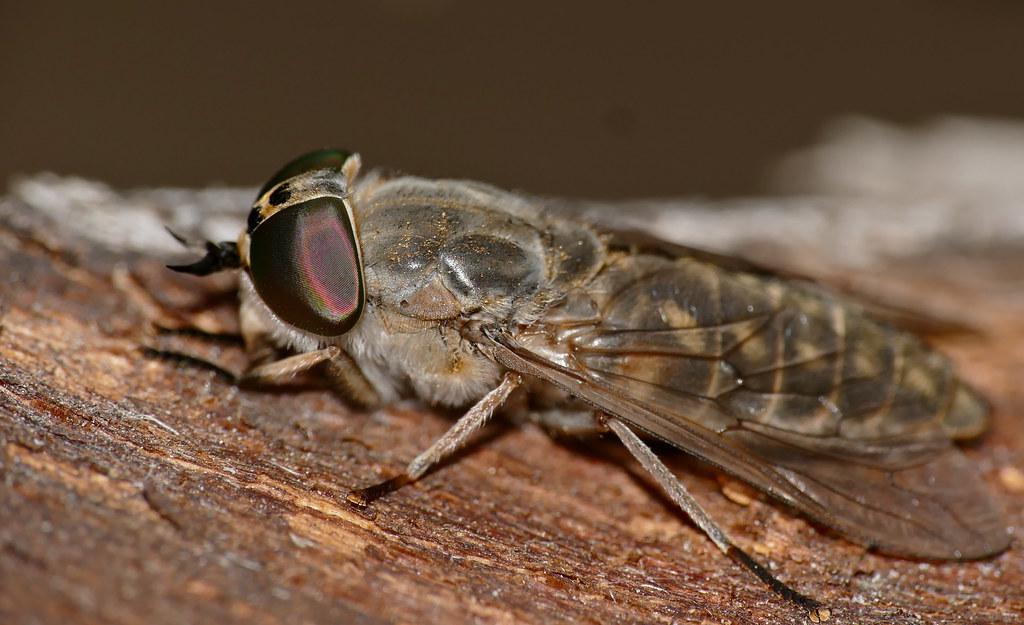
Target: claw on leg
[
  {"x": 682, "y": 498},
  {"x": 363, "y": 497},
  {"x": 450, "y": 442}
]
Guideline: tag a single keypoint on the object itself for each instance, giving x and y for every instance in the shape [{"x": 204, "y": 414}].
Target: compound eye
[
  {"x": 310, "y": 161},
  {"x": 306, "y": 266}
]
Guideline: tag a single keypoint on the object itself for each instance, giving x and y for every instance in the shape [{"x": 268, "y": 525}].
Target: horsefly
[{"x": 462, "y": 294}]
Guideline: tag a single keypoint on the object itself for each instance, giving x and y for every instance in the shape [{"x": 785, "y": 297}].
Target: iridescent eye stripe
[{"x": 318, "y": 239}]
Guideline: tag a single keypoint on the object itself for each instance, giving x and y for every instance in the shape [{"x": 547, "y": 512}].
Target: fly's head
[{"x": 300, "y": 247}]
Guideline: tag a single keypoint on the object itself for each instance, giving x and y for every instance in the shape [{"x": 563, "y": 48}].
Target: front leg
[
  {"x": 266, "y": 367},
  {"x": 284, "y": 369},
  {"x": 345, "y": 374},
  {"x": 450, "y": 442}
]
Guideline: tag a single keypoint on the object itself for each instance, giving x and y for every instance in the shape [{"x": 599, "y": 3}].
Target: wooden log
[{"x": 136, "y": 490}]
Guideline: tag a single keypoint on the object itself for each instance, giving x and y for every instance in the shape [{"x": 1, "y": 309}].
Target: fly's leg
[
  {"x": 269, "y": 373},
  {"x": 280, "y": 370},
  {"x": 167, "y": 323},
  {"x": 266, "y": 372},
  {"x": 267, "y": 366},
  {"x": 342, "y": 371},
  {"x": 345, "y": 373},
  {"x": 205, "y": 335},
  {"x": 449, "y": 443},
  {"x": 190, "y": 360},
  {"x": 682, "y": 498},
  {"x": 567, "y": 423}
]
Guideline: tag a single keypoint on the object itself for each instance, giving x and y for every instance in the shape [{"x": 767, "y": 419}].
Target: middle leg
[{"x": 450, "y": 442}]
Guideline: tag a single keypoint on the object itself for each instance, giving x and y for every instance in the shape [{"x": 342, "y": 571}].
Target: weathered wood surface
[{"x": 135, "y": 490}]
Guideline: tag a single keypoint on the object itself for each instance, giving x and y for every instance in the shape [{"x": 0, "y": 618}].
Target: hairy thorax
[{"x": 441, "y": 256}]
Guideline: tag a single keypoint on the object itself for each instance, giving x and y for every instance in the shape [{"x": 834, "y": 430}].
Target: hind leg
[{"x": 567, "y": 422}]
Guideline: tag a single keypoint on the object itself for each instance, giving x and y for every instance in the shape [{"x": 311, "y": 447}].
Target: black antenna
[{"x": 219, "y": 256}]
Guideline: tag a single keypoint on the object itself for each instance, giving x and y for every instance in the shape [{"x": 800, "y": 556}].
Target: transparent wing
[
  {"x": 846, "y": 419},
  {"x": 903, "y": 315}
]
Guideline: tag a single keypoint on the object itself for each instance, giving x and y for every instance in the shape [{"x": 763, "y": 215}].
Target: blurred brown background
[{"x": 570, "y": 98}]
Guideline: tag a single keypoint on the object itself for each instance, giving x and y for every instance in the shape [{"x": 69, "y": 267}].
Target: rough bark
[{"x": 136, "y": 490}]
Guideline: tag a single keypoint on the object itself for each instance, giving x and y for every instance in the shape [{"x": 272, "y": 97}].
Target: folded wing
[{"x": 798, "y": 393}]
